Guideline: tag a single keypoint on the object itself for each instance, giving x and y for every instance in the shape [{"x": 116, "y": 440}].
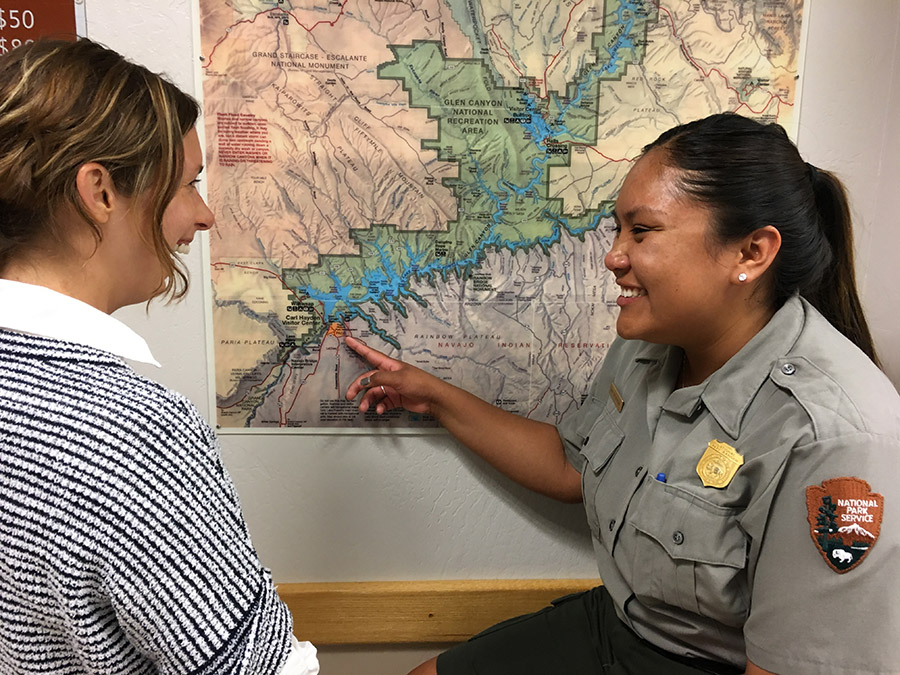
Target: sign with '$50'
[{"x": 23, "y": 21}]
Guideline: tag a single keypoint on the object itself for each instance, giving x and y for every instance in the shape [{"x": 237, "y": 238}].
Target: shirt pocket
[
  {"x": 689, "y": 553},
  {"x": 600, "y": 438},
  {"x": 600, "y": 441}
]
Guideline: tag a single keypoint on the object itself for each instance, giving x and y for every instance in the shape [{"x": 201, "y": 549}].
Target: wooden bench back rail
[{"x": 398, "y": 612}]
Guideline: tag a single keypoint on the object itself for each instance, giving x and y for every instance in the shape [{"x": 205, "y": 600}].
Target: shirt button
[
  {"x": 638, "y": 471},
  {"x": 678, "y": 537},
  {"x": 612, "y": 524},
  {"x": 788, "y": 369}
]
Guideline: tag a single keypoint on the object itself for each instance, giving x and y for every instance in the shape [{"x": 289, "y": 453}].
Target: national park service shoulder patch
[{"x": 844, "y": 520}]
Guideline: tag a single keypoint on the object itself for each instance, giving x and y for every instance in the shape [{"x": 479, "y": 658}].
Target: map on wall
[{"x": 436, "y": 178}]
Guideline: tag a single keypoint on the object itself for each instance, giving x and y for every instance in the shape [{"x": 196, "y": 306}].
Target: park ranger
[{"x": 736, "y": 454}]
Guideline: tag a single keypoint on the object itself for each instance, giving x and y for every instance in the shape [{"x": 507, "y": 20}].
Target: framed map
[{"x": 435, "y": 177}]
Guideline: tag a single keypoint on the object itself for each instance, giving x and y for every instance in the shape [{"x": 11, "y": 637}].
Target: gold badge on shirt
[{"x": 719, "y": 464}]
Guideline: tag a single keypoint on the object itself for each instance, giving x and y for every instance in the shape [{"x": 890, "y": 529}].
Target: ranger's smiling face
[{"x": 673, "y": 276}]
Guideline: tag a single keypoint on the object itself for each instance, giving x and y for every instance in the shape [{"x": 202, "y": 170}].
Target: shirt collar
[
  {"x": 729, "y": 391},
  {"x": 27, "y": 308}
]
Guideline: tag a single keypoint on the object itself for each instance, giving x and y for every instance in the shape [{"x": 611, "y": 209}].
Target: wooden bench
[{"x": 402, "y": 612}]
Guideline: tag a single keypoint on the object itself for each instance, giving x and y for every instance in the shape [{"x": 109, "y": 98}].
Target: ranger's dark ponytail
[
  {"x": 836, "y": 296},
  {"x": 751, "y": 175}
]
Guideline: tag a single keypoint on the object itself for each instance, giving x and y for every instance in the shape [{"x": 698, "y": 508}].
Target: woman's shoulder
[
  {"x": 87, "y": 404},
  {"x": 101, "y": 449},
  {"x": 836, "y": 382},
  {"x": 85, "y": 379}
]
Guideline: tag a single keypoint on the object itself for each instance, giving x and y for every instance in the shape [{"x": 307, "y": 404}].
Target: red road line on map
[
  {"x": 263, "y": 381},
  {"x": 281, "y": 413},
  {"x": 317, "y": 23},
  {"x": 265, "y": 271},
  {"x": 506, "y": 51},
  {"x": 259, "y": 14},
  {"x": 563, "y": 41},
  {"x": 284, "y": 412},
  {"x": 687, "y": 55},
  {"x": 283, "y": 420},
  {"x": 537, "y": 402},
  {"x": 594, "y": 148},
  {"x": 227, "y": 33}
]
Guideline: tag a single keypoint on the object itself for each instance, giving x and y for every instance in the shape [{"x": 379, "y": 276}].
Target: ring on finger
[{"x": 383, "y": 391}]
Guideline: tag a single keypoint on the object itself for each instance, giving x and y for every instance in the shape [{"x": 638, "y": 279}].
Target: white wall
[
  {"x": 849, "y": 124},
  {"x": 341, "y": 508}
]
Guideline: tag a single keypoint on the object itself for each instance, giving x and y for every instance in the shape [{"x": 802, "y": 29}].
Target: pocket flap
[
  {"x": 602, "y": 441},
  {"x": 688, "y": 527}
]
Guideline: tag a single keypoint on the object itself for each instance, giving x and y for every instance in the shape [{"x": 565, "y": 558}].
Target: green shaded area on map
[{"x": 504, "y": 140}]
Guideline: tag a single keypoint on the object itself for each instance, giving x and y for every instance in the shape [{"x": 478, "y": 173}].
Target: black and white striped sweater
[{"x": 122, "y": 545}]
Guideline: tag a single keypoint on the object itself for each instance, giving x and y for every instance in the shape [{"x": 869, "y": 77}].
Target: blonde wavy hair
[{"x": 63, "y": 104}]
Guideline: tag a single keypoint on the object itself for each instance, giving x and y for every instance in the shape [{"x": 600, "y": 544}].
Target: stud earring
[{"x": 742, "y": 276}]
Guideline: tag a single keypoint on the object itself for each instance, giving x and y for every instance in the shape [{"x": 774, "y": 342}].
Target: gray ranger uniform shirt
[{"x": 788, "y": 555}]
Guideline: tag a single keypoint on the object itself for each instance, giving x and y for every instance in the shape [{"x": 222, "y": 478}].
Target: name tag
[{"x": 616, "y": 397}]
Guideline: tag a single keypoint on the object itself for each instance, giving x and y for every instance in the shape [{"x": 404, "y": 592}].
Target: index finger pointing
[{"x": 373, "y": 356}]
